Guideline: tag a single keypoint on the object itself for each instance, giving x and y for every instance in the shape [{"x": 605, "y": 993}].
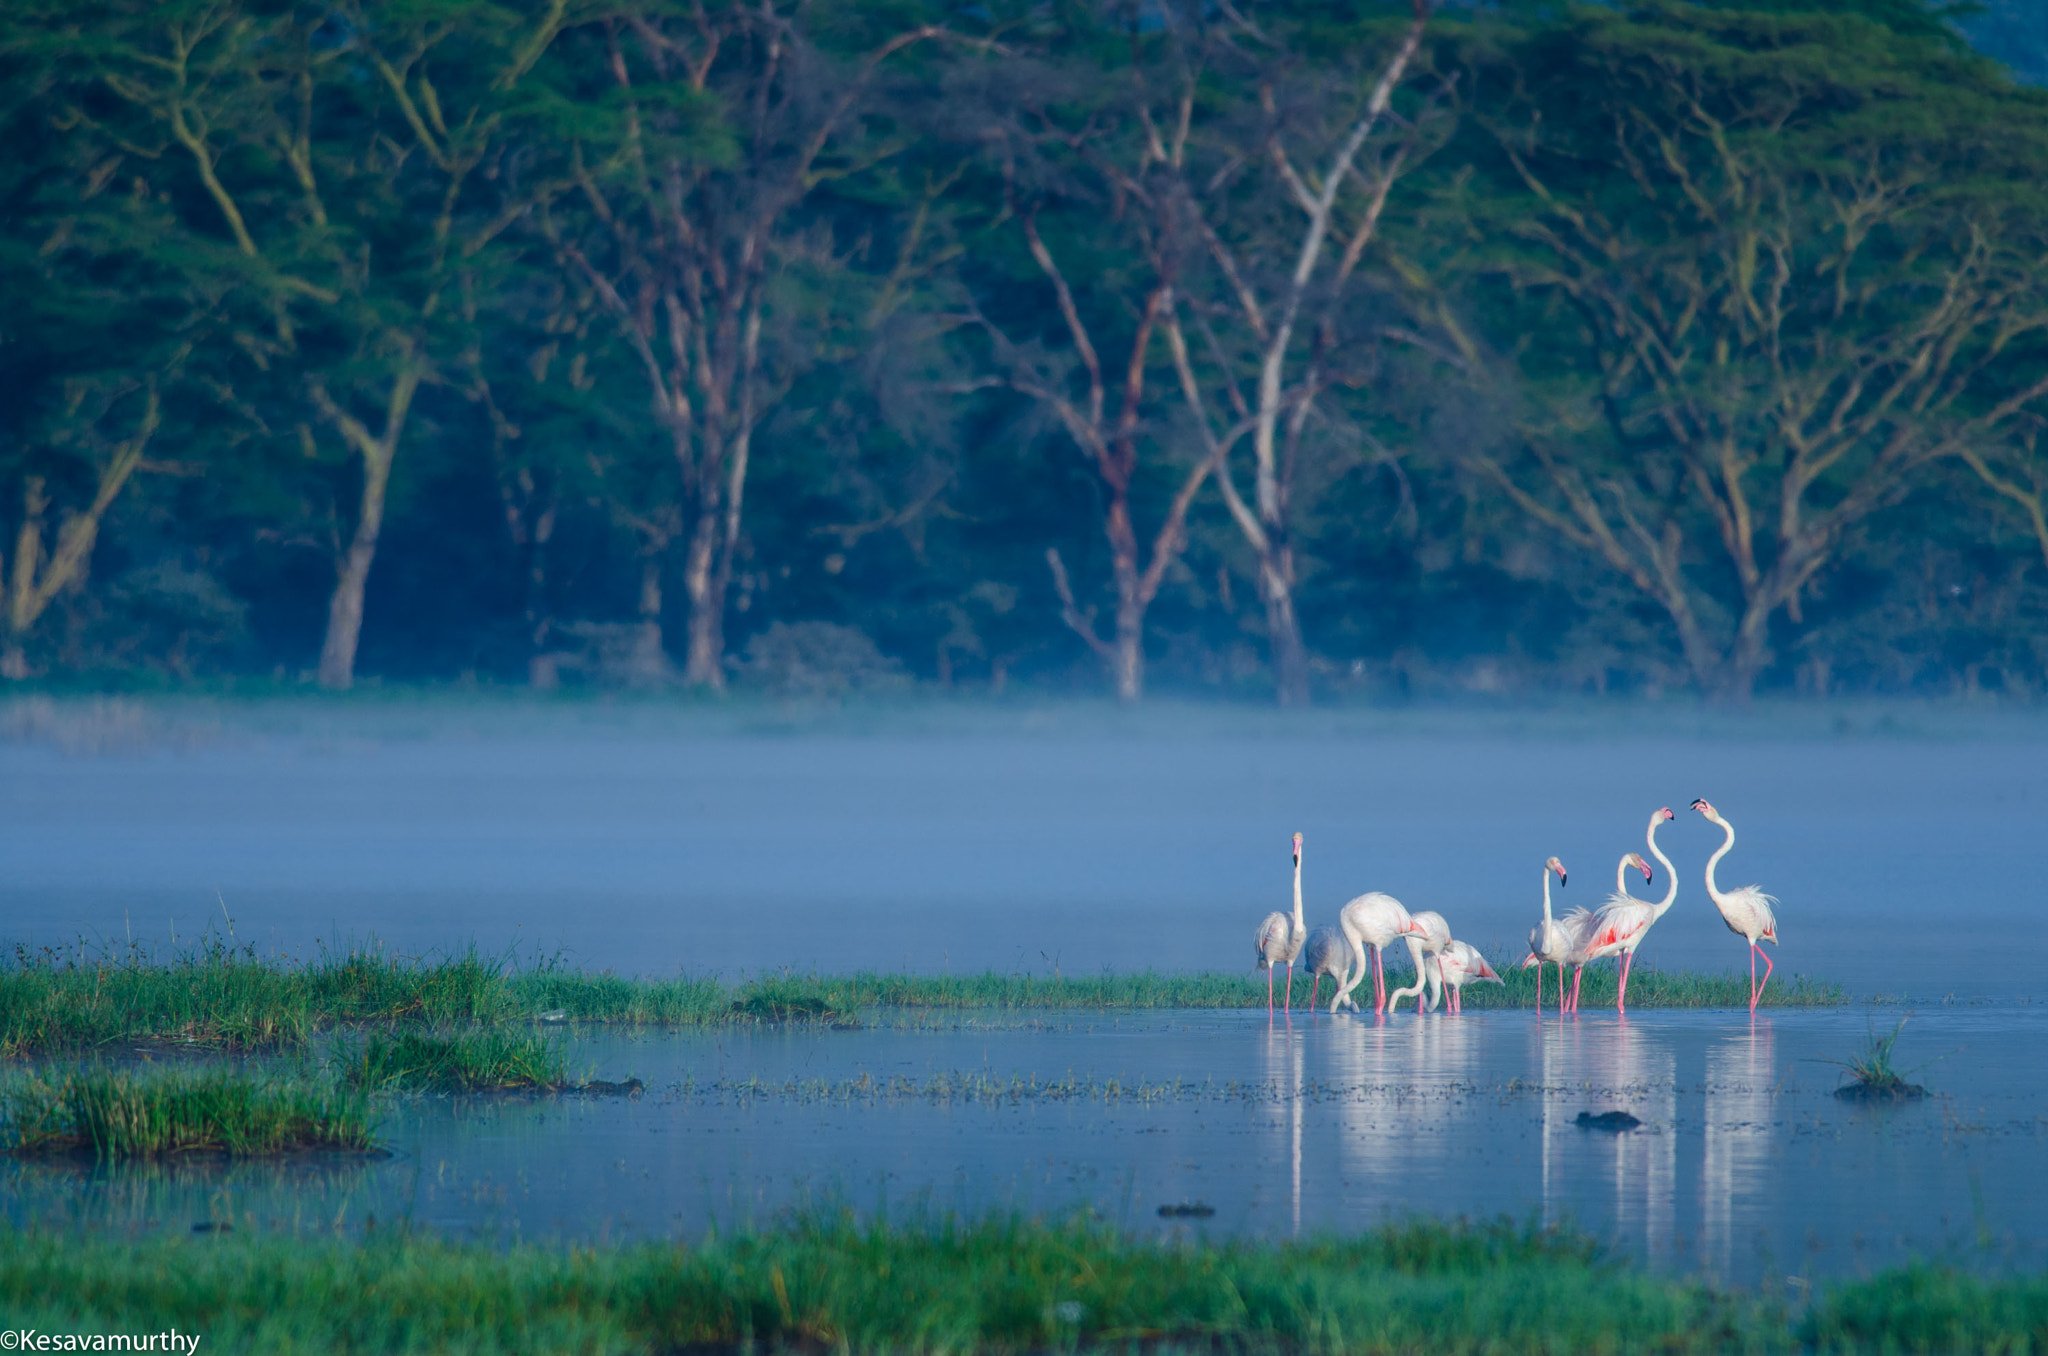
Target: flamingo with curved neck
[
  {"x": 1373, "y": 919},
  {"x": 1618, "y": 926},
  {"x": 1549, "y": 940},
  {"x": 1280, "y": 939},
  {"x": 1747, "y": 910},
  {"x": 1423, "y": 949}
]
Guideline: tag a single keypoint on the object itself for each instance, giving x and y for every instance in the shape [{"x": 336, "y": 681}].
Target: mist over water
[{"x": 1021, "y": 841}]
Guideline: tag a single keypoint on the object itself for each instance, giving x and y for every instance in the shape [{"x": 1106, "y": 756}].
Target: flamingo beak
[
  {"x": 1562, "y": 878},
  {"x": 1648, "y": 875},
  {"x": 1701, "y": 805},
  {"x": 1668, "y": 814}
]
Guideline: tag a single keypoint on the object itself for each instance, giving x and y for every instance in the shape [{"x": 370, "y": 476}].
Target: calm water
[
  {"x": 1745, "y": 1166},
  {"x": 1908, "y": 861}
]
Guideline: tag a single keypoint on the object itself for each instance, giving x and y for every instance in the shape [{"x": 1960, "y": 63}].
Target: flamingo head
[
  {"x": 1709, "y": 811},
  {"x": 1635, "y": 860},
  {"x": 1297, "y": 849},
  {"x": 1555, "y": 865},
  {"x": 1529, "y": 960},
  {"x": 1665, "y": 813}
]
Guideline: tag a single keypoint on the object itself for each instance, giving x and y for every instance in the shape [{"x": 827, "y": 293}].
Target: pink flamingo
[
  {"x": 1549, "y": 940},
  {"x": 1375, "y": 920},
  {"x": 1280, "y": 939},
  {"x": 1746, "y": 911},
  {"x": 1325, "y": 954},
  {"x": 1459, "y": 963},
  {"x": 1618, "y": 927},
  {"x": 1423, "y": 949}
]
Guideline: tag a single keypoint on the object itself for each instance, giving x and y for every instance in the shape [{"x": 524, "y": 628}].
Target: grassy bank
[
  {"x": 123, "y": 1114},
  {"x": 1001, "y": 1286},
  {"x": 227, "y": 999}
]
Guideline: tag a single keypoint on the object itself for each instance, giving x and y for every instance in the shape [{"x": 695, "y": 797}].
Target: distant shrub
[{"x": 818, "y": 659}]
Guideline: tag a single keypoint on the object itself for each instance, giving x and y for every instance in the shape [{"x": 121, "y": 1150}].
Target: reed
[
  {"x": 469, "y": 1061},
  {"x": 219, "y": 997},
  {"x": 123, "y": 1114},
  {"x": 997, "y": 1286}
]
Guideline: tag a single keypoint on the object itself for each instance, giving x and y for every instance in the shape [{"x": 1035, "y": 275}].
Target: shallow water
[
  {"x": 1745, "y": 1166},
  {"x": 1907, "y": 861},
  {"x": 1023, "y": 841}
]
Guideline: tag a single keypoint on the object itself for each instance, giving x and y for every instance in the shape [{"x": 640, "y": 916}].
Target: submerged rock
[
  {"x": 1898, "y": 1090},
  {"x": 1612, "y": 1121},
  {"x": 598, "y": 1087}
]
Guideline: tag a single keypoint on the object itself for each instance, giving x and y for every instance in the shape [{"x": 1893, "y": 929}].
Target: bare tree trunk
[
  {"x": 1283, "y": 629},
  {"x": 649, "y": 665},
  {"x": 703, "y": 664},
  {"x": 345, "y": 608}
]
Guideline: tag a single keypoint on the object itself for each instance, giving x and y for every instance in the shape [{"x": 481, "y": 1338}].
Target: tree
[
  {"x": 1768, "y": 268},
  {"x": 694, "y": 145}
]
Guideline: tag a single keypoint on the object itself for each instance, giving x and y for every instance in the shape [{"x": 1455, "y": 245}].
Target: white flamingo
[
  {"x": 1619, "y": 926},
  {"x": 1280, "y": 939},
  {"x": 1460, "y": 964},
  {"x": 1325, "y": 954},
  {"x": 1423, "y": 950},
  {"x": 1375, "y": 920},
  {"x": 1746, "y": 911},
  {"x": 1549, "y": 940}
]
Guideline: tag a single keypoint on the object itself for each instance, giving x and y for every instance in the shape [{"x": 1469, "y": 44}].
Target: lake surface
[
  {"x": 1908, "y": 862},
  {"x": 1906, "y": 847},
  {"x": 1745, "y": 1167}
]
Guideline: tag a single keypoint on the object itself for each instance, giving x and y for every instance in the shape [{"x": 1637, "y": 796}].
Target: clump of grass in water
[
  {"x": 123, "y": 1114},
  {"x": 1872, "y": 1077},
  {"x": 471, "y": 1061}
]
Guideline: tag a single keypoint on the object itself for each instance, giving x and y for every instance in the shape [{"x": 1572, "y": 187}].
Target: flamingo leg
[
  {"x": 1269, "y": 991},
  {"x": 1759, "y": 951},
  {"x": 1752, "y": 976},
  {"x": 1621, "y": 999},
  {"x": 1289, "y": 1005},
  {"x": 1312, "y": 988},
  {"x": 1539, "y": 988},
  {"x": 1578, "y": 973}
]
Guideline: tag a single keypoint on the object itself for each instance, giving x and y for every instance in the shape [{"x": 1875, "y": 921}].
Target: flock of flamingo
[{"x": 1444, "y": 965}]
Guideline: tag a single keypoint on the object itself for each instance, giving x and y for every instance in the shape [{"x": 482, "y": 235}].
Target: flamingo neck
[
  {"x": 1546, "y": 894},
  {"x": 1714, "y": 891},
  {"x": 1670, "y": 876},
  {"x": 1300, "y": 923}
]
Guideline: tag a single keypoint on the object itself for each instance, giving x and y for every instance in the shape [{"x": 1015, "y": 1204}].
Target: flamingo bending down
[
  {"x": 1746, "y": 911},
  {"x": 1280, "y": 939},
  {"x": 1325, "y": 954},
  {"x": 1460, "y": 963},
  {"x": 1423, "y": 950},
  {"x": 1375, "y": 920},
  {"x": 1619, "y": 926},
  {"x": 1549, "y": 940}
]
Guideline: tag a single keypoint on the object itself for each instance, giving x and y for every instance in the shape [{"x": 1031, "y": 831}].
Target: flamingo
[
  {"x": 1280, "y": 938},
  {"x": 1460, "y": 963},
  {"x": 1423, "y": 950},
  {"x": 1549, "y": 940},
  {"x": 1746, "y": 911},
  {"x": 1375, "y": 920},
  {"x": 1619, "y": 926},
  {"x": 1325, "y": 954}
]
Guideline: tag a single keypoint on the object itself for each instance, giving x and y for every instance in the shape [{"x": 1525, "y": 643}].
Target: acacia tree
[
  {"x": 328, "y": 161},
  {"x": 1772, "y": 268},
  {"x": 1094, "y": 148},
  {"x": 695, "y": 144}
]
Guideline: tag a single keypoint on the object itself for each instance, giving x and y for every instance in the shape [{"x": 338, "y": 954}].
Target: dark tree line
[{"x": 1287, "y": 347}]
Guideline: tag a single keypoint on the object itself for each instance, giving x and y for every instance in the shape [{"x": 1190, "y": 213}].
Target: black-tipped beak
[{"x": 1562, "y": 878}]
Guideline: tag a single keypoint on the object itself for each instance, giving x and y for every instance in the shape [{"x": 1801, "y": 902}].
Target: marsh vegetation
[{"x": 114, "y": 1114}]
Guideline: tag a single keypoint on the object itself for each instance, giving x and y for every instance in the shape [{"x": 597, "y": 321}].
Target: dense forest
[{"x": 1288, "y": 348}]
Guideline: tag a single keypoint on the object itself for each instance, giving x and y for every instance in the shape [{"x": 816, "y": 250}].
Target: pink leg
[
  {"x": 1379, "y": 983},
  {"x": 1621, "y": 999},
  {"x": 1767, "y": 977},
  {"x": 1578, "y": 973},
  {"x": 1315, "y": 985},
  {"x": 1269, "y": 991},
  {"x": 1752, "y": 976},
  {"x": 1539, "y": 988},
  {"x": 1289, "y": 1004}
]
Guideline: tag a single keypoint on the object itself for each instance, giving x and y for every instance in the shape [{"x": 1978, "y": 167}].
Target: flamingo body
[
  {"x": 1375, "y": 920},
  {"x": 1325, "y": 954},
  {"x": 1280, "y": 938},
  {"x": 1459, "y": 964},
  {"x": 1423, "y": 949},
  {"x": 1749, "y": 913}
]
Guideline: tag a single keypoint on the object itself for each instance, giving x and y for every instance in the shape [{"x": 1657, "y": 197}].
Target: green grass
[
  {"x": 222, "y": 998},
  {"x": 123, "y": 1114},
  {"x": 1648, "y": 988},
  {"x": 995, "y": 1287},
  {"x": 469, "y": 1061},
  {"x": 1871, "y": 1072}
]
